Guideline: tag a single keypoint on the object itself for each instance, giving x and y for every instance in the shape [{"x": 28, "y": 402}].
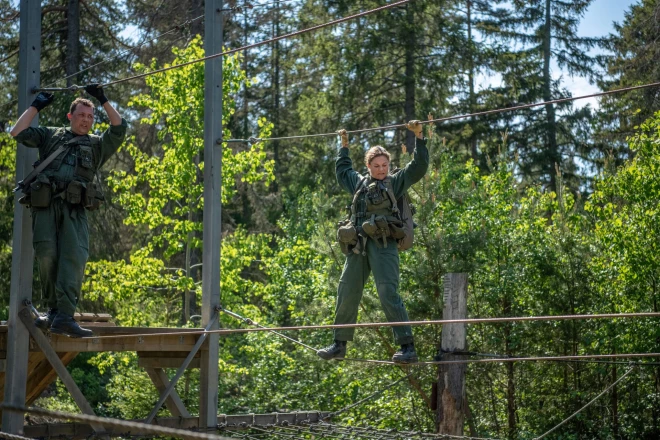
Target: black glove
[
  {"x": 42, "y": 100},
  {"x": 97, "y": 92}
]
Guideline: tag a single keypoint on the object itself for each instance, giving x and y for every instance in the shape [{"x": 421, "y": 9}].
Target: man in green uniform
[
  {"x": 373, "y": 205},
  {"x": 59, "y": 196}
]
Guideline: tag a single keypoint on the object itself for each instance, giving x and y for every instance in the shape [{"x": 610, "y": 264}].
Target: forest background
[{"x": 552, "y": 210}]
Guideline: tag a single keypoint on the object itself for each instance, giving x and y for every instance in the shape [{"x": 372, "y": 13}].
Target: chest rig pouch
[{"x": 85, "y": 167}]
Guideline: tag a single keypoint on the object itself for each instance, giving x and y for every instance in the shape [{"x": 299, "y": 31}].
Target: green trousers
[
  {"x": 384, "y": 263},
  {"x": 61, "y": 243}
]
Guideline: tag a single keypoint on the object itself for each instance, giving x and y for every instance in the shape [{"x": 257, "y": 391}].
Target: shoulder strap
[
  {"x": 47, "y": 161},
  {"x": 389, "y": 189}
]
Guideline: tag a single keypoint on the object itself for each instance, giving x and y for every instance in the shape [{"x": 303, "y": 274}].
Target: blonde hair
[
  {"x": 374, "y": 152},
  {"x": 81, "y": 101}
]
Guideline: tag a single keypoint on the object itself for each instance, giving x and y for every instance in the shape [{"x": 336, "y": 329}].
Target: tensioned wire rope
[
  {"x": 261, "y": 43},
  {"x": 175, "y": 28},
  {"x": 455, "y": 117},
  {"x": 393, "y": 324},
  {"x": 116, "y": 423},
  {"x": 249, "y": 321}
]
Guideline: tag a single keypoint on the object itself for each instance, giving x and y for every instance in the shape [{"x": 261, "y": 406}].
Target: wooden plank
[
  {"x": 61, "y": 370},
  {"x": 451, "y": 377},
  {"x": 173, "y": 360},
  {"x": 129, "y": 343},
  {"x": 43, "y": 375},
  {"x": 92, "y": 317},
  {"x": 173, "y": 402}
]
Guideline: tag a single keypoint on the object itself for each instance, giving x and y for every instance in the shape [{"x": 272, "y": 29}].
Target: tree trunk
[
  {"x": 472, "y": 98},
  {"x": 552, "y": 153},
  {"x": 197, "y": 26},
  {"x": 73, "y": 41},
  {"x": 409, "y": 81}
]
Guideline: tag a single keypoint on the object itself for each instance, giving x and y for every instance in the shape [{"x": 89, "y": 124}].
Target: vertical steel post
[
  {"x": 22, "y": 254},
  {"x": 208, "y": 404}
]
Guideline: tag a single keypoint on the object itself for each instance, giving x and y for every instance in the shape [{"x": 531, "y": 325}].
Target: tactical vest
[
  {"x": 376, "y": 214},
  {"x": 77, "y": 189},
  {"x": 82, "y": 156}
]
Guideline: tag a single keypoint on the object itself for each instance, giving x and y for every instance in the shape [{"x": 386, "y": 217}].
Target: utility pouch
[
  {"x": 93, "y": 197},
  {"x": 74, "y": 192},
  {"x": 40, "y": 192},
  {"x": 397, "y": 229},
  {"x": 346, "y": 236}
]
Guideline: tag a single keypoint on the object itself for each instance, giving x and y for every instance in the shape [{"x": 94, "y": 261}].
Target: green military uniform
[
  {"x": 382, "y": 260},
  {"x": 60, "y": 232}
]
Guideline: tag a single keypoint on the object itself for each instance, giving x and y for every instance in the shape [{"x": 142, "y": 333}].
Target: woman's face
[{"x": 379, "y": 167}]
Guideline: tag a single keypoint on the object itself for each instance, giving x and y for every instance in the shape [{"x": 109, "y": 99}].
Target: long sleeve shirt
[{"x": 349, "y": 179}]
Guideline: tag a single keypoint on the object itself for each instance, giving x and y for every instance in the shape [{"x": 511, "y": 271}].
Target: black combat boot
[
  {"x": 406, "y": 354},
  {"x": 44, "y": 321},
  {"x": 335, "y": 351},
  {"x": 66, "y": 325}
]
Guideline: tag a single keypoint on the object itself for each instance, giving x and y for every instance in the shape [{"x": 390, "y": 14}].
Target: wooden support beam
[
  {"x": 166, "y": 362},
  {"x": 173, "y": 402},
  {"x": 182, "y": 369},
  {"x": 59, "y": 367},
  {"x": 42, "y": 374},
  {"x": 451, "y": 377},
  {"x": 74, "y": 431}
]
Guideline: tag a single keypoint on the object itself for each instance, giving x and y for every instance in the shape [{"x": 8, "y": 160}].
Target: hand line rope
[
  {"x": 261, "y": 43},
  {"x": 399, "y": 324},
  {"x": 515, "y": 359},
  {"x": 249, "y": 321},
  {"x": 105, "y": 421},
  {"x": 587, "y": 405},
  {"x": 463, "y": 116},
  {"x": 13, "y": 436}
]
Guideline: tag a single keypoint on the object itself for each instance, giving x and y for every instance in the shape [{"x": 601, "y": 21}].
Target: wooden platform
[{"x": 155, "y": 353}]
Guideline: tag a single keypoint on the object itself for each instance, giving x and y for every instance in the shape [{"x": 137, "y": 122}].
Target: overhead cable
[
  {"x": 261, "y": 43},
  {"x": 586, "y": 406},
  {"x": 107, "y": 60},
  {"x": 463, "y": 116},
  {"x": 400, "y": 324}
]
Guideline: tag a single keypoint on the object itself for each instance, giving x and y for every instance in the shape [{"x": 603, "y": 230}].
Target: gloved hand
[
  {"x": 344, "y": 137},
  {"x": 97, "y": 92},
  {"x": 416, "y": 127},
  {"x": 42, "y": 100}
]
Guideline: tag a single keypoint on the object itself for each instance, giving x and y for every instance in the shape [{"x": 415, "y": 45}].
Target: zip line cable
[
  {"x": 261, "y": 43},
  {"x": 107, "y": 60},
  {"x": 397, "y": 324},
  {"x": 451, "y": 118},
  {"x": 586, "y": 406}
]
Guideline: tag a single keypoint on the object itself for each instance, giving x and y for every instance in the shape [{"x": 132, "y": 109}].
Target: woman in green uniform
[{"x": 375, "y": 250}]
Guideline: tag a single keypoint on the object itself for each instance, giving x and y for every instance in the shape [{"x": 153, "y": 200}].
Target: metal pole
[
  {"x": 208, "y": 396},
  {"x": 22, "y": 254}
]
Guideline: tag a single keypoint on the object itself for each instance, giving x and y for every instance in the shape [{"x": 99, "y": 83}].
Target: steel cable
[
  {"x": 261, "y": 43},
  {"x": 398, "y": 324}
]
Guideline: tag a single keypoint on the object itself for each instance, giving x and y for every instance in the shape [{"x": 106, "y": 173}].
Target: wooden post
[
  {"x": 451, "y": 377},
  {"x": 212, "y": 236},
  {"x": 22, "y": 253}
]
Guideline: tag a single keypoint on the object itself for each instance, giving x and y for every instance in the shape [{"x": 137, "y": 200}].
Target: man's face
[
  {"x": 82, "y": 119},
  {"x": 379, "y": 167}
]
